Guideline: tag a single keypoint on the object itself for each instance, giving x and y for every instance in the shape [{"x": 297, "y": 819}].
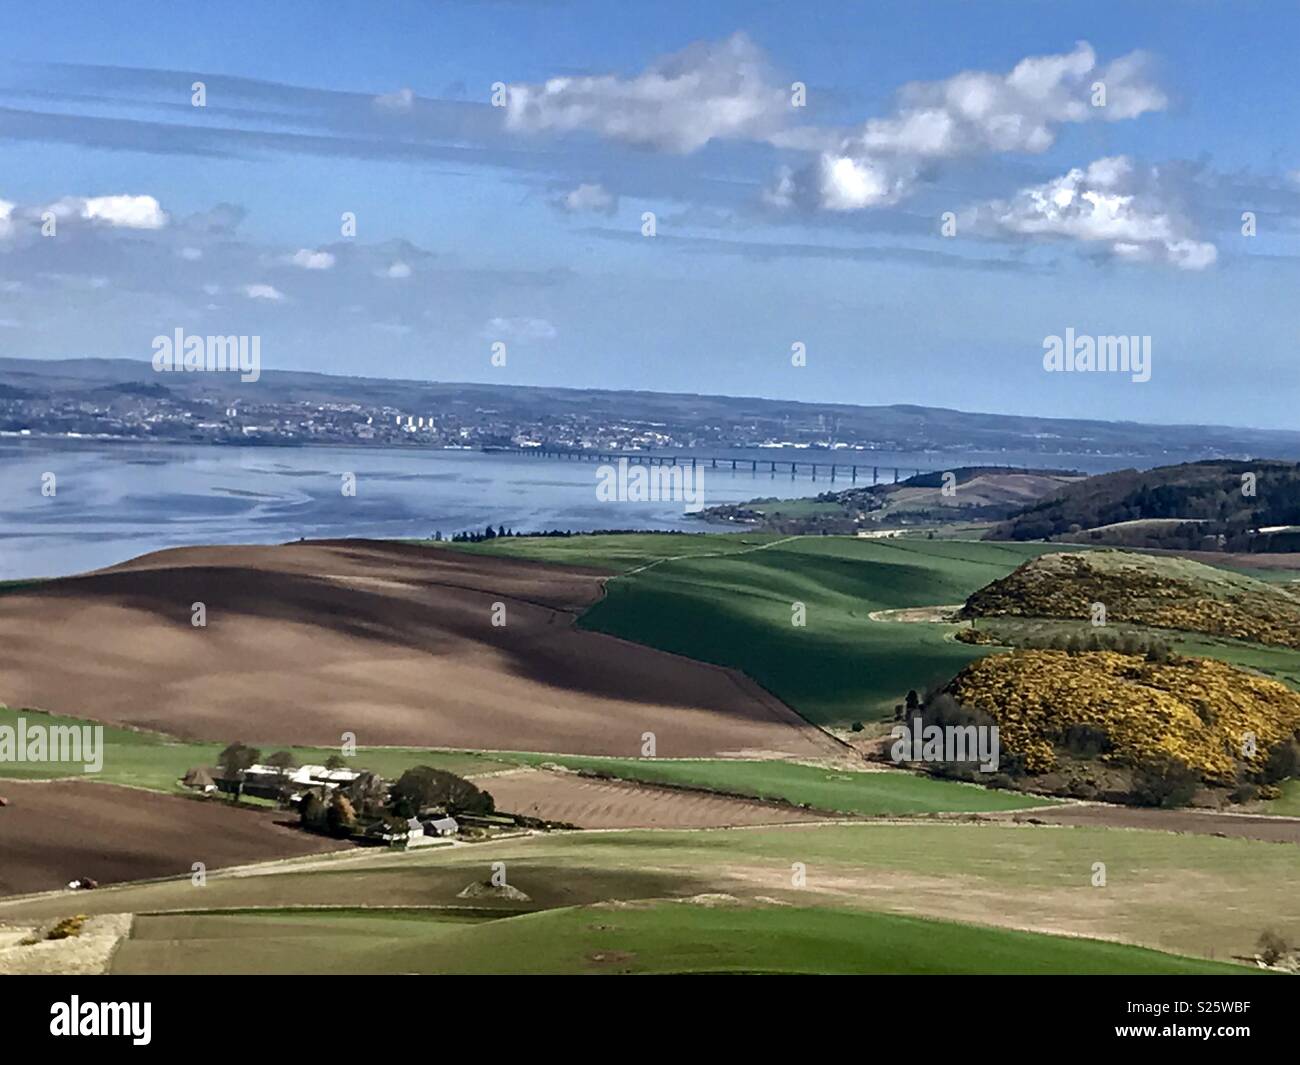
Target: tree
[
  {"x": 238, "y": 757},
  {"x": 282, "y": 760},
  {"x": 368, "y": 794},
  {"x": 234, "y": 760},
  {"x": 336, "y": 761},
  {"x": 423, "y": 786},
  {"x": 314, "y": 810},
  {"x": 341, "y": 818}
]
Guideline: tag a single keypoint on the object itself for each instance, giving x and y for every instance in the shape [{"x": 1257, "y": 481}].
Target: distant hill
[
  {"x": 1210, "y": 505},
  {"x": 897, "y": 427},
  {"x": 1163, "y": 592},
  {"x": 964, "y": 494}
]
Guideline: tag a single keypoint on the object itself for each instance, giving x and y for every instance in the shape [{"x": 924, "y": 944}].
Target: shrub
[
  {"x": 1166, "y": 783},
  {"x": 1272, "y": 947}
]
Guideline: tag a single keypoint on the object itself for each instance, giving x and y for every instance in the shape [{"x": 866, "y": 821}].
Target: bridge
[{"x": 850, "y": 471}]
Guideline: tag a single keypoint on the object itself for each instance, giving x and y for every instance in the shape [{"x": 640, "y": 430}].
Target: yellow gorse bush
[{"x": 1199, "y": 712}]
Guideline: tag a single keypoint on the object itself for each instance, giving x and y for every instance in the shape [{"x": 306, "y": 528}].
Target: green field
[
  {"x": 653, "y": 938},
  {"x": 1195, "y": 895},
  {"x": 155, "y": 761},
  {"x": 863, "y": 793},
  {"x": 729, "y": 601},
  {"x": 1288, "y": 805}
]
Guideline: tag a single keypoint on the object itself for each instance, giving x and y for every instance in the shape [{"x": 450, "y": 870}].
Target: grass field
[
  {"x": 1188, "y": 894},
  {"x": 647, "y": 938},
  {"x": 730, "y": 599},
  {"x": 872, "y": 793},
  {"x": 157, "y": 762},
  {"x": 152, "y": 760}
]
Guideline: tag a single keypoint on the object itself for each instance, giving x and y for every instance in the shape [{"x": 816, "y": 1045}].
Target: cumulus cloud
[
  {"x": 20, "y": 223},
  {"x": 1110, "y": 204},
  {"x": 972, "y": 113},
  {"x": 397, "y": 271},
  {"x": 128, "y": 212},
  {"x": 263, "y": 292},
  {"x": 308, "y": 259},
  {"x": 709, "y": 90},
  {"x": 594, "y": 198}
]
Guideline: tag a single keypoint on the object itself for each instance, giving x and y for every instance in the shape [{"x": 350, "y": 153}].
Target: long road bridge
[{"x": 649, "y": 458}]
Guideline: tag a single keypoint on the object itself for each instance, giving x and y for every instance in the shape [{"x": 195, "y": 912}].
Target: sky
[{"x": 849, "y": 202}]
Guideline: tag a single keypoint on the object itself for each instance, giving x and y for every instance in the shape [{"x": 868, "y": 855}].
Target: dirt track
[
  {"x": 391, "y": 642},
  {"x": 590, "y": 803},
  {"x": 53, "y": 833}
]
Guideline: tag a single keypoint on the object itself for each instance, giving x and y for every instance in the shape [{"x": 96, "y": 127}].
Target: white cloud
[
  {"x": 1110, "y": 203},
  {"x": 397, "y": 271},
  {"x": 401, "y": 100},
  {"x": 848, "y": 184},
  {"x": 6, "y": 218},
  {"x": 519, "y": 329},
  {"x": 972, "y": 113},
  {"x": 191, "y": 255},
  {"x": 588, "y": 197},
  {"x": 129, "y": 212},
  {"x": 312, "y": 260},
  {"x": 263, "y": 292},
  {"x": 681, "y": 102}
]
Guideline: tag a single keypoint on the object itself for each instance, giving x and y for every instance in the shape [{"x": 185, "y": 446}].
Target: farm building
[{"x": 199, "y": 779}]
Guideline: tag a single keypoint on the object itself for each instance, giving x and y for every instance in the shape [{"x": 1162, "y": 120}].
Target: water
[{"x": 115, "y": 501}]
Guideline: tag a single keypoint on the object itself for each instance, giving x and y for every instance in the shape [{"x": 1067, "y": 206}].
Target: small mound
[
  {"x": 1167, "y": 593},
  {"x": 1206, "y": 715},
  {"x": 485, "y": 889}
]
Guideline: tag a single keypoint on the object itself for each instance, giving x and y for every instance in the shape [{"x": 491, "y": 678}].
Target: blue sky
[{"x": 774, "y": 223}]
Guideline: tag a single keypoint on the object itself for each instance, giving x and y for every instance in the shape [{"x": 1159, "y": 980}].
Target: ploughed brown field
[
  {"x": 391, "y": 642},
  {"x": 589, "y": 803},
  {"x": 51, "y": 833}
]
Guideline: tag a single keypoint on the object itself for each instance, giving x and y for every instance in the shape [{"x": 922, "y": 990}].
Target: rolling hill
[
  {"x": 1213, "y": 505},
  {"x": 1162, "y": 592}
]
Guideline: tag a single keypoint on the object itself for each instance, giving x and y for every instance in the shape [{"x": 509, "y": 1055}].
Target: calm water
[{"x": 116, "y": 501}]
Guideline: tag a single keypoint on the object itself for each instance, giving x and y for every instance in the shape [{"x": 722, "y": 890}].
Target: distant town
[{"x": 120, "y": 399}]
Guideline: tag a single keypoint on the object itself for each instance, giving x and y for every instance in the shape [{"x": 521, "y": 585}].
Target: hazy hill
[
  {"x": 899, "y": 427},
  {"x": 1210, "y": 505},
  {"x": 978, "y": 494}
]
